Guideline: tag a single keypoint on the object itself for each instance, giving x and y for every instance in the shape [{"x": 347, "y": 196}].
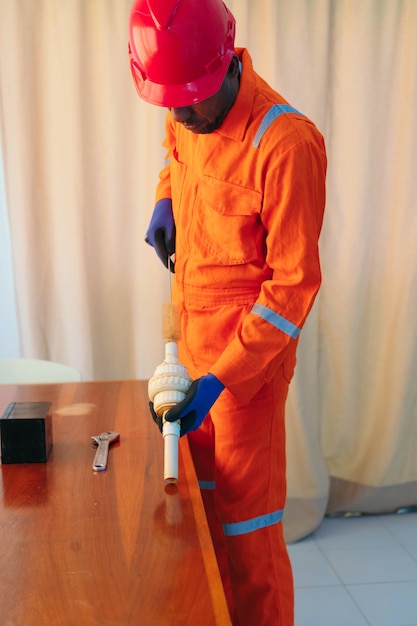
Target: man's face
[{"x": 204, "y": 117}]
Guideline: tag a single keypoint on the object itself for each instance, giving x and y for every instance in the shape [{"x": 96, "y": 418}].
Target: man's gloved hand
[
  {"x": 156, "y": 418},
  {"x": 161, "y": 232},
  {"x": 200, "y": 397}
]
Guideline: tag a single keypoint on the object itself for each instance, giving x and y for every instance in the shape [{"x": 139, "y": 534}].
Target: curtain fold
[{"x": 81, "y": 155}]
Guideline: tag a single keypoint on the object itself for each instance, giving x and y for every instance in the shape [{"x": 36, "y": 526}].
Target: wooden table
[{"x": 117, "y": 547}]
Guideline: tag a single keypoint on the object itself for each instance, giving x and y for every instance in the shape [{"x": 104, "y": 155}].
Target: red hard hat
[{"x": 180, "y": 50}]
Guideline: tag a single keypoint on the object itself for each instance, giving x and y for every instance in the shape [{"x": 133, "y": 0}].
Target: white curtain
[{"x": 81, "y": 154}]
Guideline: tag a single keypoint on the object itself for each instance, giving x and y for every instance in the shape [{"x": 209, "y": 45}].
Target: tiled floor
[{"x": 357, "y": 571}]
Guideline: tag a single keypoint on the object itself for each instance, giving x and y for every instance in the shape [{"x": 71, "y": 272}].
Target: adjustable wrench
[{"x": 104, "y": 440}]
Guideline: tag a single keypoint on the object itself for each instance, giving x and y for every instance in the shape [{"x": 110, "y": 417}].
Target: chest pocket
[{"x": 227, "y": 221}]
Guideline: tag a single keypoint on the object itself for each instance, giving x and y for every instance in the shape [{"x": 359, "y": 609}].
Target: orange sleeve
[
  {"x": 292, "y": 216},
  {"x": 163, "y": 189}
]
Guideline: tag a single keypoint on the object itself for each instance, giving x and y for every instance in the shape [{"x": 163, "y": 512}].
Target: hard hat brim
[{"x": 176, "y": 96}]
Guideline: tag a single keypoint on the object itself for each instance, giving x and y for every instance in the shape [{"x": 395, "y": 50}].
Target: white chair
[{"x": 19, "y": 371}]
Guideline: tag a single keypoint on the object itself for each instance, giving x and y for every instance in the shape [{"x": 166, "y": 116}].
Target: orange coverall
[{"x": 248, "y": 202}]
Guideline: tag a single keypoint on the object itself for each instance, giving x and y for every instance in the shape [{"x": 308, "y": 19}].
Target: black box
[{"x": 26, "y": 432}]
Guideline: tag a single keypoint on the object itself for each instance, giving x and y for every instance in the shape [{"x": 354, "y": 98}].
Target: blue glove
[
  {"x": 156, "y": 418},
  {"x": 200, "y": 397},
  {"x": 161, "y": 232}
]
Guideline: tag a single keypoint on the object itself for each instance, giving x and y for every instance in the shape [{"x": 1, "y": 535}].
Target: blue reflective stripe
[
  {"x": 276, "y": 320},
  {"x": 273, "y": 113},
  {"x": 207, "y": 484},
  {"x": 250, "y": 525}
]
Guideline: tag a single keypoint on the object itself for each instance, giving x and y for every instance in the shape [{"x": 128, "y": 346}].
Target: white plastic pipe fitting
[{"x": 166, "y": 388}]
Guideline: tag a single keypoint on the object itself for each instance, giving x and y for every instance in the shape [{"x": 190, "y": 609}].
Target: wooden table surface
[{"x": 117, "y": 547}]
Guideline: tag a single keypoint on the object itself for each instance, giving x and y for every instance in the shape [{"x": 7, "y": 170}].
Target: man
[{"x": 241, "y": 203}]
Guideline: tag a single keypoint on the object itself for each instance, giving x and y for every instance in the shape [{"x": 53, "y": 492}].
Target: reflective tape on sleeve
[
  {"x": 276, "y": 320},
  {"x": 270, "y": 116}
]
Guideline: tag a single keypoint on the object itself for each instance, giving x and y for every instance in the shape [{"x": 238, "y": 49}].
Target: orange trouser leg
[
  {"x": 249, "y": 475},
  {"x": 261, "y": 578}
]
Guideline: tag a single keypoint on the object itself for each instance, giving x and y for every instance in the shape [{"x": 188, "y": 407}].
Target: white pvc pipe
[{"x": 171, "y": 434}]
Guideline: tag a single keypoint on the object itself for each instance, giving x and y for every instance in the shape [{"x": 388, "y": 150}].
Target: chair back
[{"x": 19, "y": 371}]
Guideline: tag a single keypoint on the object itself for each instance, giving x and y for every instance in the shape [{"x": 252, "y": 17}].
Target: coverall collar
[{"x": 237, "y": 119}]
